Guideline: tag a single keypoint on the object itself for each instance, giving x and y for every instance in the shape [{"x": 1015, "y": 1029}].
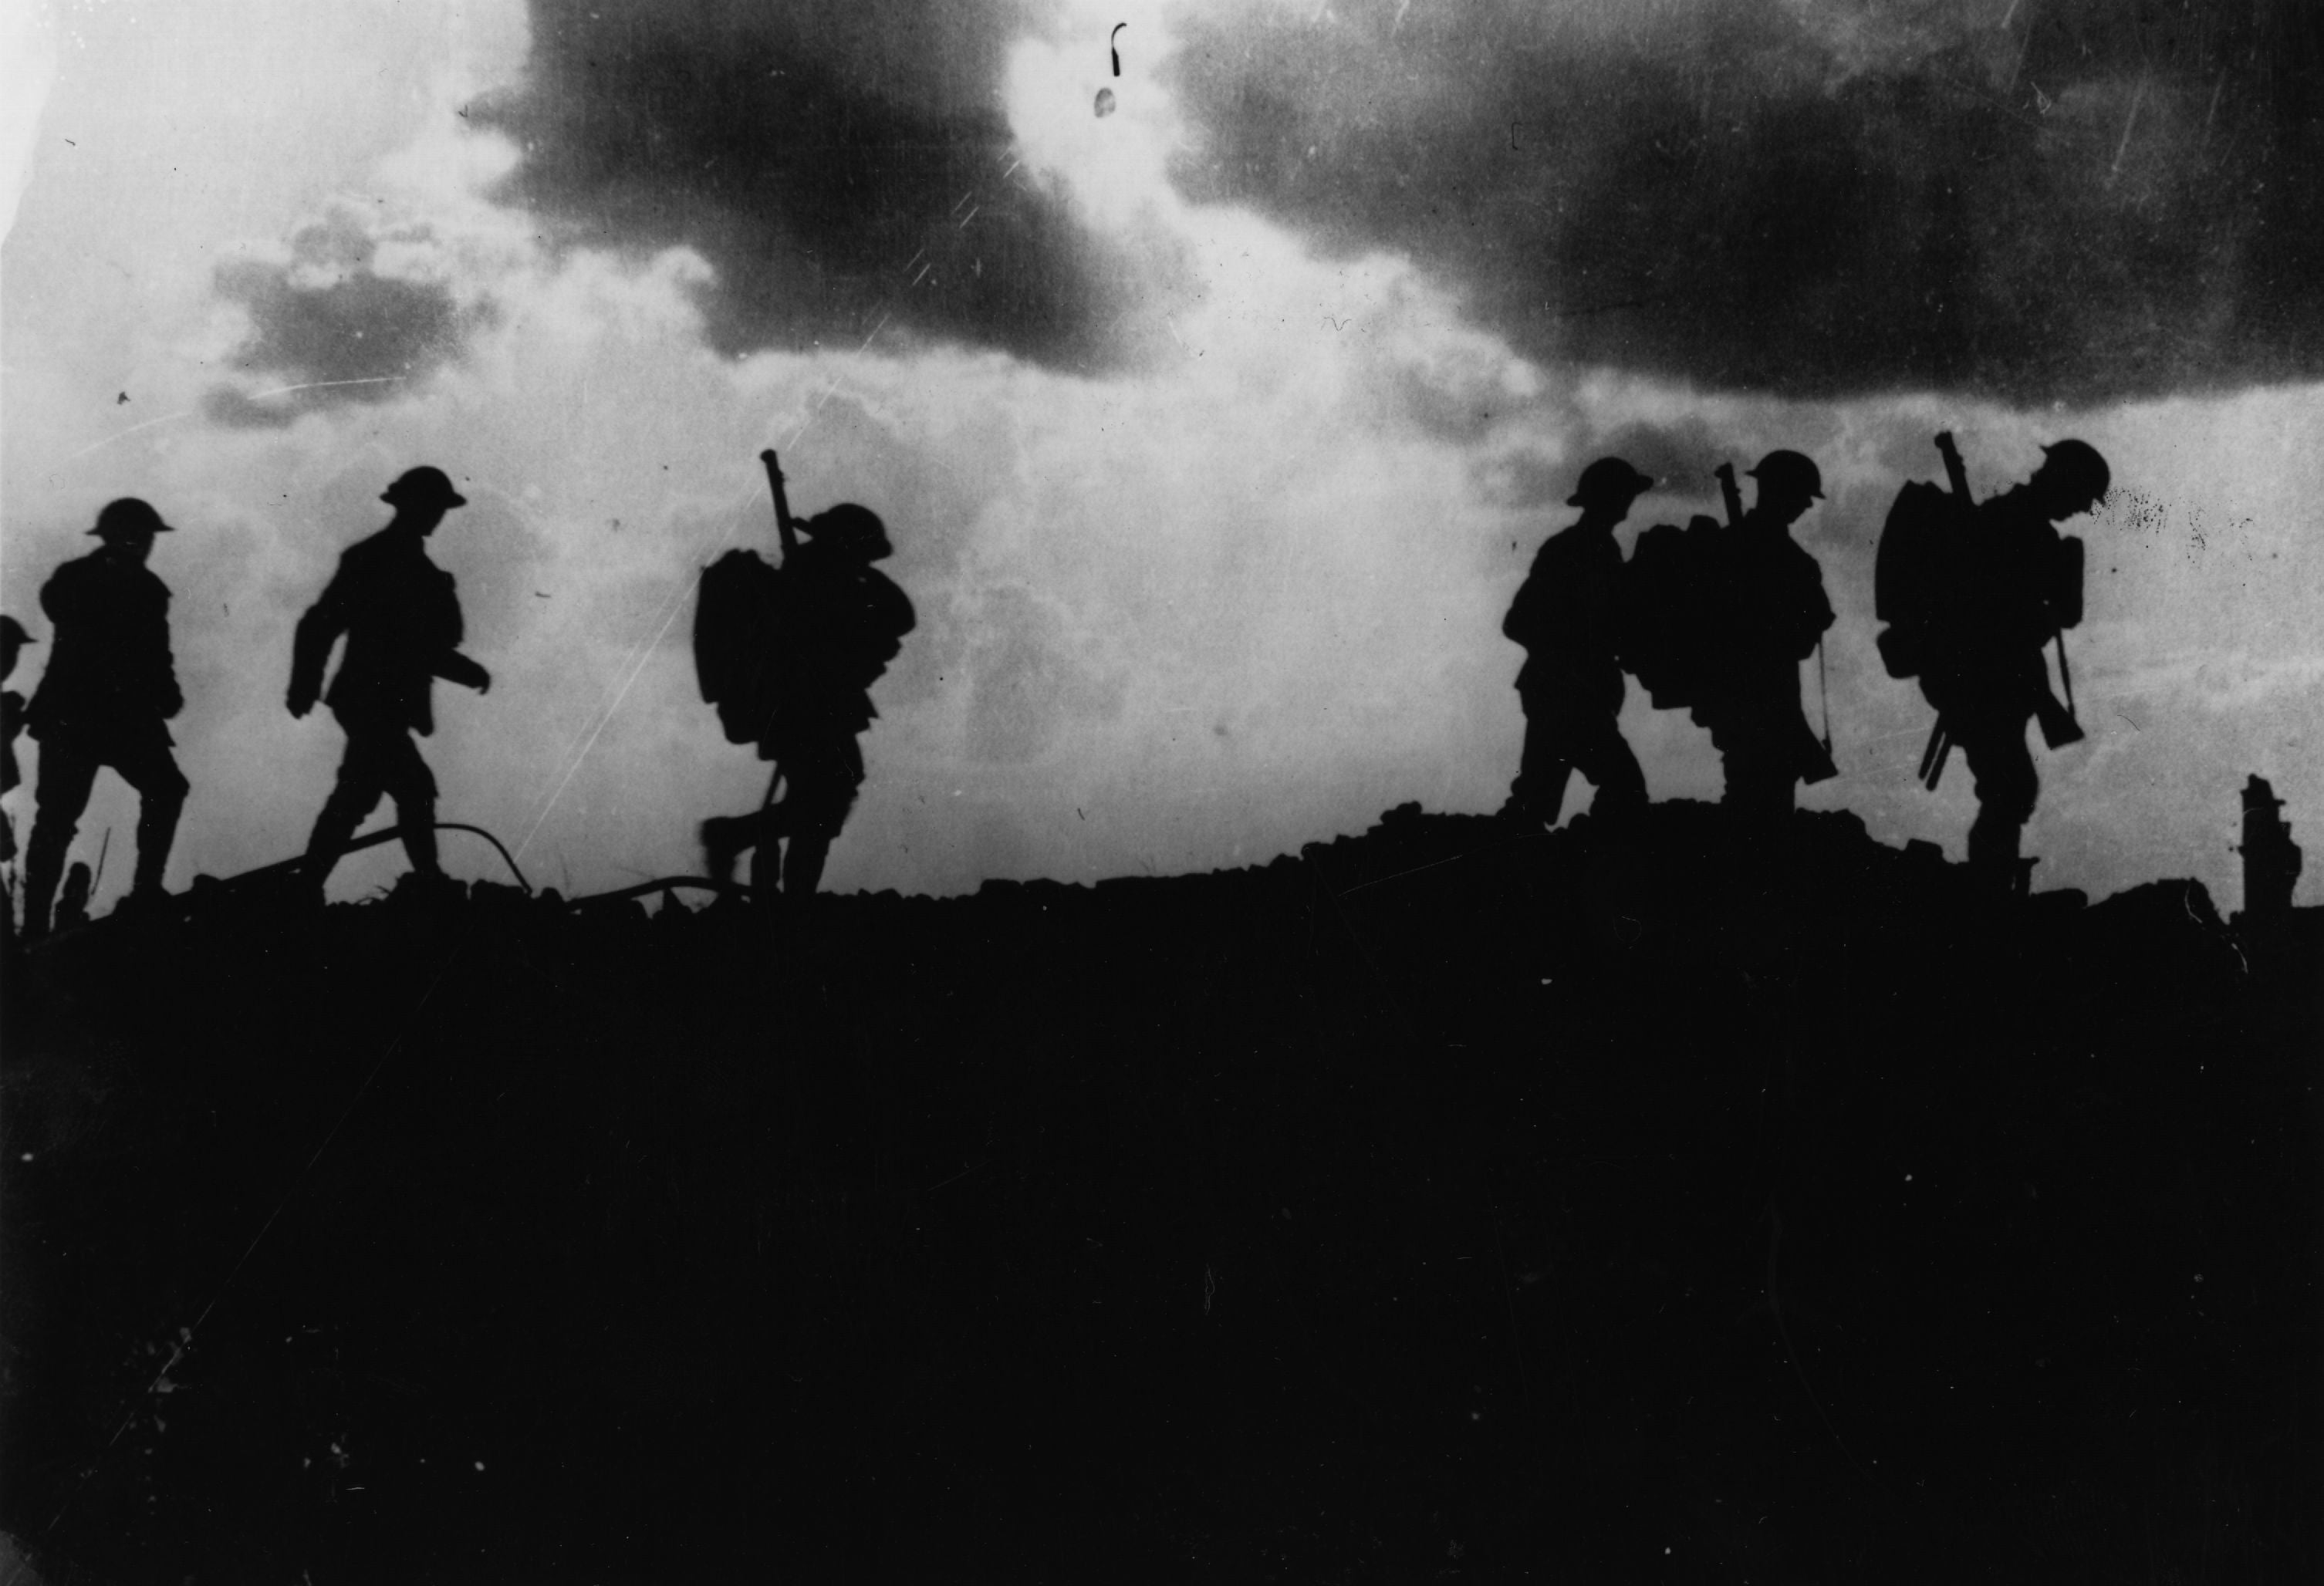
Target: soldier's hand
[
  {"x": 298, "y": 706},
  {"x": 483, "y": 681}
]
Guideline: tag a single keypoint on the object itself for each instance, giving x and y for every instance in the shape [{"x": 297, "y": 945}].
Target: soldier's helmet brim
[
  {"x": 423, "y": 487},
  {"x": 1607, "y": 479},
  {"x": 129, "y": 519}
]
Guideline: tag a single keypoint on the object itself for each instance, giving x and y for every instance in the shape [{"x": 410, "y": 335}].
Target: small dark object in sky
[
  {"x": 1104, "y": 103},
  {"x": 121, "y": 399}
]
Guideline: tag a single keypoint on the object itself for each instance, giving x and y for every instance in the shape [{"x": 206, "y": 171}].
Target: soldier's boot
[{"x": 157, "y": 829}]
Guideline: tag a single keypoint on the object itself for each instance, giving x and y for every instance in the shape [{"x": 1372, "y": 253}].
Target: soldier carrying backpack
[
  {"x": 1566, "y": 615},
  {"x": 1973, "y": 593},
  {"x": 1767, "y": 613},
  {"x": 788, "y": 655}
]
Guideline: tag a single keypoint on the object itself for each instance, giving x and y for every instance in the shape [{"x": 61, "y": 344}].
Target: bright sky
[{"x": 1240, "y": 591}]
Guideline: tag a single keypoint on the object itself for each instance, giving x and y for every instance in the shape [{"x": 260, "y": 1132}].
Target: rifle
[
  {"x": 788, "y": 532},
  {"x": 1941, "y": 739},
  {"x": 784, "y": 527},
  {"x": 1730, "y": 494}
]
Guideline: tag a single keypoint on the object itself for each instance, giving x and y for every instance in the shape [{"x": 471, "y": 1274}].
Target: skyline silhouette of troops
[
  {"x": 1567, "y": 614},
  {"x": 1974, "y": 593},
  {"x": 110, "y": 686},
  {"x": 1768, "y": 612},
  {"x": 400, "y": 614},
  {"x": 788, "y": 655}
]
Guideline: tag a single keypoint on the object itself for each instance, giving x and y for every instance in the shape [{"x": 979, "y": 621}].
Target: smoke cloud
[
  {"x": 818, "y": 156},
  {"x": 2074, "y": 200}
]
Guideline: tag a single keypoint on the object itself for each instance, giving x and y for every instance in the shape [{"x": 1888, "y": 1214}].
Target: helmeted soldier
[
  {"x": 13, "y": 639},
  {"x": 401, "y": 615},
  {"x": 2014, "y": 585},
  {"x": 1566, "y": 615},
  {"x": 110, "y": 686},
  {"x": 837, "y": 623},
  {"x": 1773, "y": 612}
]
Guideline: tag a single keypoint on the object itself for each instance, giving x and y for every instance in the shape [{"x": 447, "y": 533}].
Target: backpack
[
  {"x": 1913, "y": 573},
  {"x": 1671, "y": 615},
  {"x": 735, "y": 624},
  {"x": 1926, "y": 588}
]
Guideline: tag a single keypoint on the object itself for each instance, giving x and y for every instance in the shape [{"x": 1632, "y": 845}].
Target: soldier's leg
[
  {"x": 824, "y": 792},
  {"x": 353, "y": 797},
  {"x": 2007, "y": 790},
  {"x": 1538, "y": 793},
  {"x": 412, "y": 786},
  {"x": 66, "y": 775},
  {"x": 1605, "y": 757},
  {"x": 161, "y": 789}
]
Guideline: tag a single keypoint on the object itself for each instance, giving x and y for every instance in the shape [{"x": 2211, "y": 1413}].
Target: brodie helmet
[
  {"x": 1608, "y": 479},
  {"x": 1782, "y": 471},
  {"x": 128, "y": 518},
  {"x": 422, "y": 488}
]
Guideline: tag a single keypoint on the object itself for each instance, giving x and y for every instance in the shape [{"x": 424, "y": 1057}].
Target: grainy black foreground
[{"x": 1445, "y": 1205}]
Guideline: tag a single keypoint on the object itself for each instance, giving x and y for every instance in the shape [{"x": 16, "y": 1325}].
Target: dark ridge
[{"x": 1441, "y": 1203}]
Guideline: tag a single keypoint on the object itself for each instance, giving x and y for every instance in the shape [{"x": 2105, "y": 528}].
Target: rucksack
[
  {"x": 1926, "y": 588},
  {"x": 1913, "y": 572},
  {"x": 735, "y": 626},
  {"x": 1671, "y": 617}
]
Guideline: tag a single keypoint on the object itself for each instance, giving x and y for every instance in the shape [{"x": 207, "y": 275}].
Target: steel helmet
[
  {"x": 422, "y": 488},
  {"x": 1608, "y": 479},
  {"x": 2076, "y": 466},
  {"x": 849, "y": 527},
  {"x": 1789, "y": 470},
  {"x": 128, "y": 518}
]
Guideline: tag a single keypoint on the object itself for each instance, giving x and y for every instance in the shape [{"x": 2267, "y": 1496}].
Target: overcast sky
[{"x": 1215, "y": 434}]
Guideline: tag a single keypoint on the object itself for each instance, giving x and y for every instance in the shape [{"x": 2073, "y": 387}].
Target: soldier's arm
[
  {"x": 448, "y": 662},
  {"x": 311, "y": 642},
  {"x": 455, "y": 668},
  {"x": 167, "y": 697}
]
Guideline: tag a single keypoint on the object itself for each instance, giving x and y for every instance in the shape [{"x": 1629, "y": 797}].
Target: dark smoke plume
[
  {"x": 2045, "y": 199},
  {"x": 331, "y": 328},
  {"x": 834, "y": 162}
]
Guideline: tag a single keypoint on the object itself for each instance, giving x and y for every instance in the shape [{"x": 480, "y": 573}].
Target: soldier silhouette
[
  {"x": 401, "y": 615},
  {"x": 13, "y": 639},
  {"x": 1773, "y": 612},
  {"x": 109, "y": 687},
  {"x": 834, "y": 624},
  {"x": 1566, "y": 615},
  {"x": 2013, "y": 583}
]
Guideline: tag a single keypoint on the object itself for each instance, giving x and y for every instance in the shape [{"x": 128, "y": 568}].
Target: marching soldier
[
  {"x": 2014, "y": 585},
  {"x": 1774, "y": 612},
  {"x": 833, "y": 623},
  {"x": 110, "y": 686},
  {"x": 1566, "y": 615},
  {"x": 401, "y": 615}
]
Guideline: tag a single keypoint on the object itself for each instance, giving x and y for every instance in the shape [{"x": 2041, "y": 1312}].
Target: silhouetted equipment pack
[
  {"x": 733, "y": 659},
  {"x": 1673, "y": 612},
  {"x": 1955, "y": 600},
  {"x": 1926, "y": 575}
]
